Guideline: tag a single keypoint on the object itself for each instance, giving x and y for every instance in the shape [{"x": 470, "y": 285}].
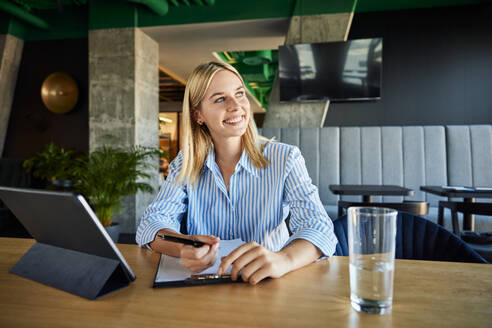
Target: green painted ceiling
[
  {"x": 48, "y": 4},
  {"x": 73, "y": 18}
]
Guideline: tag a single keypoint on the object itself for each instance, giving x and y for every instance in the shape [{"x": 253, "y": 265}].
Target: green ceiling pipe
[
  {"x": 160, "y": 7},
  {"x": 266, "y": 71},
  {"x": 204, "y": 2},
  {"x": 23, "y": 14},
  {"x": 256, "y": 58}
]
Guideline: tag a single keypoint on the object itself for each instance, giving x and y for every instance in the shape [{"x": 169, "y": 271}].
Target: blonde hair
[{"x": 197, "y": 140}]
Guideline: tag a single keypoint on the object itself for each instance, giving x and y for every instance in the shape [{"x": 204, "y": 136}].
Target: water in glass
[{"x": 371, "y": 282}]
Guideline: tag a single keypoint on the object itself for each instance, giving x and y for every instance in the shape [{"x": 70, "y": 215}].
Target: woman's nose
[{"x": 234, "y": 104}]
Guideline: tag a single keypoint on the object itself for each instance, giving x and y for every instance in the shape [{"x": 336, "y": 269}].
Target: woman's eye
[
  {"x": 240, "y": 93},
  {"x": 219, "y": 100}
]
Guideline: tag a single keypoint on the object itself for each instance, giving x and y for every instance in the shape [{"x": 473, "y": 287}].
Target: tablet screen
[{"x": 62, "y": 219}]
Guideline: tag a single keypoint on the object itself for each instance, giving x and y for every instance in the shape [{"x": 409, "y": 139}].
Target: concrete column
[
  {"x": 10, "y": 57},
  {"x": 319, "y": 28},
  {"x": 306, "y": 29},
  {"x": 124, "y": 102}
]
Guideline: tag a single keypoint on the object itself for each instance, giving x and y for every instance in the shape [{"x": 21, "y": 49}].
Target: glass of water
[{"x": 371, "y": 238}]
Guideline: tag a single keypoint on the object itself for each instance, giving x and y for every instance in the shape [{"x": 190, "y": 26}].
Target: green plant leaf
[
  {"x": 53, "y": 162},
  {"x": 108, "y": 174}
]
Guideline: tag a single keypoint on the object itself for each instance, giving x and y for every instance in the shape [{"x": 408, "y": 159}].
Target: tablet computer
[{"x": 63, "y": 220}]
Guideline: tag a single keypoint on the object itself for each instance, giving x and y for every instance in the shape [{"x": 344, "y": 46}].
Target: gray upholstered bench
[{"x": 410, "y": 156}]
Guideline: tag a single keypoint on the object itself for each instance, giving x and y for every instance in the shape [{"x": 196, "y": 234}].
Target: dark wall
[
  {"x": 437, "y": 68},
  {"x": 31, "y": 124}
]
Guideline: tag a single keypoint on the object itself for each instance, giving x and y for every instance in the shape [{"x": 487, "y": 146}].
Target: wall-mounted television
[{"x": 335, "y": 71}]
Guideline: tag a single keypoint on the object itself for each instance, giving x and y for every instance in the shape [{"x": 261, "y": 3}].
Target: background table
[
  {"x": 367, "y": 191},
  {"x": 427, "y": 294},
  {"x": 468, "y": 197}
]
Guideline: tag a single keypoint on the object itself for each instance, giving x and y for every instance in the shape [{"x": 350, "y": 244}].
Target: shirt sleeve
[
  {"x": 167, "y": 209},
  {"x": 308, "y": 218}
]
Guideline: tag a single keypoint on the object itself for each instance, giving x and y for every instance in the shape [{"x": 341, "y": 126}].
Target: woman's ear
[{"x": 197, "y": 116}]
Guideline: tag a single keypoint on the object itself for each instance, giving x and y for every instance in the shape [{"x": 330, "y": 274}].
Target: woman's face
[{"x": 225, "y": 108}]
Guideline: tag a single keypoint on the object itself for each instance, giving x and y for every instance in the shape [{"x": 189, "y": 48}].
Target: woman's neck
[{"x": 228, "y": 151}]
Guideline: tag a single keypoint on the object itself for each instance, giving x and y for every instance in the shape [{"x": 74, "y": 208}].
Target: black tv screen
[{"x": 335, "y": 71}]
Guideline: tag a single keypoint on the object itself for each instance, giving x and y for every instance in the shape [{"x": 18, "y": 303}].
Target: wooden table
[
  {"x": 427, "y": 294},
  {"x": 468, "y": 197}
]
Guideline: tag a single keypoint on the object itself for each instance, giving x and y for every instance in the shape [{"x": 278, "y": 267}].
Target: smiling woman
[
  {"x": 225, "y": 112},
  {"x": 234, "y": 184},
  {"x": 215, "y": 93}
]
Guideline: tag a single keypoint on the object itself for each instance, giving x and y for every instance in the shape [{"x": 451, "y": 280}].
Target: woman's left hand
[{"x": 255, "y": 263}]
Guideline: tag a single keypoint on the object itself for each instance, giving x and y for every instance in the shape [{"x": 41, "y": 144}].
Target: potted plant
[
  {"x": 108, "y": 174},
  {"x": 53, "y": 164}
]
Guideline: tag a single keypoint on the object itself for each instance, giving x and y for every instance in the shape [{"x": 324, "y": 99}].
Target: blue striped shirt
[{"x": 254, "y": 209}]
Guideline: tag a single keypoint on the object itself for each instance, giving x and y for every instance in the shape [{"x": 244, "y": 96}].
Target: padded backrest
[
  {"x": 481, "y": 151},
  {"x": 459, "y": 156},
  {"x": 392, "y": 161},
  {"x": 321, "y": 150},
  {"x": 470, "y": 155},
  {"x": 436, "y": 164},
  {"x": 350, "y": 158},
  {"x": 409, "y": 156},
  {"x": 417, "y": 239}
]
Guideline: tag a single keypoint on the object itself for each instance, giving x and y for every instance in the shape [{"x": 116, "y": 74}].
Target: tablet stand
[{"x": 82, "y": 274}]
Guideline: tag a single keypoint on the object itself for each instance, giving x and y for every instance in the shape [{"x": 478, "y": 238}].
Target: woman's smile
[{"x": 235, "y": 120}]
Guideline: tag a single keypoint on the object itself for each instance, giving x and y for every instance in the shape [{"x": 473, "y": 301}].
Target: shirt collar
[
  {"x": 210, "y": 161},
  {"x": 244, "y": 162}
]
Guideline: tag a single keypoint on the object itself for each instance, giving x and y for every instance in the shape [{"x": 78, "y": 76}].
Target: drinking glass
[{"x": 371, "y": 237}]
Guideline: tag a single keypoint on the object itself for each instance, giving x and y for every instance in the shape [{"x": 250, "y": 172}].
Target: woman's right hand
[{"x": 197, "y": 259}]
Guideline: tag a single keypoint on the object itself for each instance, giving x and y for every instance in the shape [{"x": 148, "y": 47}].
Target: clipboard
[{"x": 170, "y": 272}]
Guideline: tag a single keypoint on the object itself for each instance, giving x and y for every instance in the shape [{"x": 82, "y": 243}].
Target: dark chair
[
  {"x": 12, "y": 174},
  {"x": 417, "y": 239},
  {"x": 414, "y": 207}
]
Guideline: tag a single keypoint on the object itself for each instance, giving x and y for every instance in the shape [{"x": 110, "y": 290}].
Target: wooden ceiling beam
[
  {"x": 165, "y": 98},
  {"x": 175, "y": 77}
]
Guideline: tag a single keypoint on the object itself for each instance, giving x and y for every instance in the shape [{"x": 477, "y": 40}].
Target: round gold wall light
[{"x": 59, "y": 93}]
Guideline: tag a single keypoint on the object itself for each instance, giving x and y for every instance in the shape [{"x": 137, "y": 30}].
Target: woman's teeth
[{"x": 236, "y": 120}]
